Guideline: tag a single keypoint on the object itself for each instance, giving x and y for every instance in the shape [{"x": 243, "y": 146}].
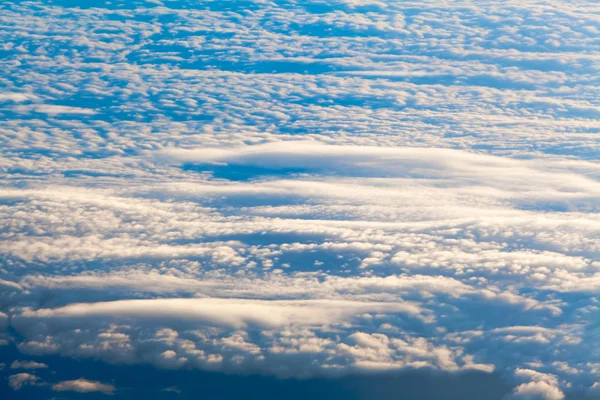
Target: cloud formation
[
  {"x": 302, "y": 189},
  {"x": 17, "y": 381},
  {"x": 82, "y": 385},
  {"x": 17, "y": 364}
]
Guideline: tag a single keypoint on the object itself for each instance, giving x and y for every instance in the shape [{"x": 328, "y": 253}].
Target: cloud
[
  {"x": 304, "y": 188},
  {"x": 54, "y": 110},
  {"x": 16, "y": 97},
  {"x": 17, "y": 381},
  {"x": 82, "y": 385},
  {"x": 172, "y": 389},
  {"x": 542, "y": 386},
  {"x": 414, "y": 162},
  {"x": 229, "y": 312},
  {"x": 3, "y": 320},
  {"x": 27, "y": 365},
  {"x": 537, "y": 390}
]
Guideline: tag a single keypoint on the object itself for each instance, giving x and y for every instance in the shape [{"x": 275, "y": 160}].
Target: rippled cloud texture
[{"x": 301, "y": 189}]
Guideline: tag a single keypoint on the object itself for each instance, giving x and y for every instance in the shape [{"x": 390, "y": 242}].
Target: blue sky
[{"x": 338, "y": 199}]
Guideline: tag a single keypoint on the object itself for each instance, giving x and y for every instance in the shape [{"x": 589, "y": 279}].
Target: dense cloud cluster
[{"x": 302, "y": 188}]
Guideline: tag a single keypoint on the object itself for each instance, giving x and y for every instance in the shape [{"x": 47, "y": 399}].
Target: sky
[{"x": 326, "y": 199}]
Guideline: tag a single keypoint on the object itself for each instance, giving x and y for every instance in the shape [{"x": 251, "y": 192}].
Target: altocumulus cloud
[{"x": 301, "y": 189}]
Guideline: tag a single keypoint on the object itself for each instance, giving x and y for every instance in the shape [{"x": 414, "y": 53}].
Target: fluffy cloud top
[{"x": 537, "y": 390}]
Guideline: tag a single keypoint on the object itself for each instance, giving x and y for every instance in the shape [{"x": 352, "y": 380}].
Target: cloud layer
[{"x": 302, "y": 189}]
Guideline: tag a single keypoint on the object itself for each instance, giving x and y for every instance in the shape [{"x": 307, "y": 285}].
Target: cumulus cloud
[
  {"x": 17, "y": 381},
  {"x": 537, "y": 390},
  {"x": 542, "y": 386}
]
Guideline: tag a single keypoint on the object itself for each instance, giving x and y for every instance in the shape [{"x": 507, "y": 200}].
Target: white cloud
[
  {"x": 82, "y": 385},
  {"x": 56, "y": 110},
  {"x": 537, "y": 390},
  {"x": 471, "y": 168},
  {"x": 17, "y": 381},
  {"x": 229, "y": 312},
  {"x": 16, "y": 97},
  {"x": 372, "y": 186},
  {"x": 27, "y": 365}
]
